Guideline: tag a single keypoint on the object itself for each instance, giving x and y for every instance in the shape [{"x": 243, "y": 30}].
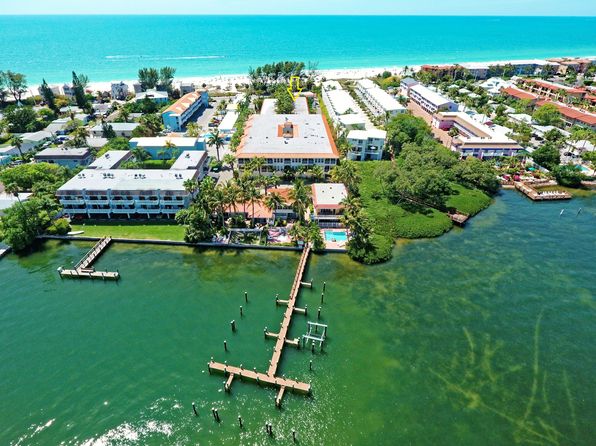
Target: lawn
[
  {"x": 404, "y": 220},
  {"x": 144, "y": 230}
]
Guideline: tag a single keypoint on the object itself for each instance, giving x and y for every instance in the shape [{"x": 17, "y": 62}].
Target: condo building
[
  {"x": 431, "y": 101},
  {"x": 378, "y": 101},
  {"x": 178, "y": 114}
]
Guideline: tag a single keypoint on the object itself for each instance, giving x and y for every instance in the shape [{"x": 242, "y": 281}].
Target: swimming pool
[
  {"x": 583, "y": 168},
  {"x": 336, "y": 236}
]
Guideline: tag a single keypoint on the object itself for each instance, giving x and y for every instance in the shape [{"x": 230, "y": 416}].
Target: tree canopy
[{"x": 548, "y": 114}]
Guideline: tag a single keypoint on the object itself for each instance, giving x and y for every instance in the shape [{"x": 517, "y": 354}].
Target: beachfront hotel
[
  {"x": 178, "y": 114},
  {"x": 431, "y": 101},
  {"x": 327, "y": 199},
  {"x": 102, "y": 191},
  {"x": 473, "y": 138},
  {"x": 378, "y": 101},
  {"x": 288, "y": 142},
  {"x": 165, "y": 147}
]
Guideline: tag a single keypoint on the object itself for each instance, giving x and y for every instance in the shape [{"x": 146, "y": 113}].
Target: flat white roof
[
  {"x": 63, "y": 152},
  {"x": 365, "y": 134},
  {"x": 328, "y": 194},
  {"x": 160, "y": 141},
  {"x": 118, "y": 126},
  {"x": 431, "y": 96},
  {"x": 110, "y": 159},
  {"x": 129, "y": 180},
  {"x": 268, "y": 107},
  {"x": 331, "y": 85},
  {"x": 367, "y": 84},
  {"x": 36, "y": 136},
  {"x": 353, "y": 119},
  {"x": 189, "y": 159},
  {"x": 152, "y": 94},
  {"x": 385, "y": 100},
  {"x": 342, "y": 102},
  {"x": 311, "y": 139},
  {"x": 228, "y": 122},
  {"x": 466, "y": 121}
]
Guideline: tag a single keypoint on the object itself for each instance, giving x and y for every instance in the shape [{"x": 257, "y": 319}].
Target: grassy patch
[
  {"x": 468, "y": 201},
  {"x": 145, "y": 230}
]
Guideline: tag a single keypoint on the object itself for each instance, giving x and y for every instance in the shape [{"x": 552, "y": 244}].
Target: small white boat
[{"x": 76, "y": 232}]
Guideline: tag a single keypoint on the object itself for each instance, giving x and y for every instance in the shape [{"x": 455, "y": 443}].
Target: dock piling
[
  {"x": 226, "y": 346},
  {"x": 240, "y": 422},
  {"x": 322, "y": 297},
  {"x": 233, "y": 325},
  {"x": 324, "y": 286},
  {"x": 246, "y": 296},
  {"x": 194, "y": 409},
  {"x": 241, "y": 313},
  {"x": 310, "y": 365},
  {"x": 294, "y": 436},
  {"x": 319, "y": 313}
]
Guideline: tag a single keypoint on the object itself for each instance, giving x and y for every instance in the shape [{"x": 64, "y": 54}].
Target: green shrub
[{"x": 60, "y": 226}]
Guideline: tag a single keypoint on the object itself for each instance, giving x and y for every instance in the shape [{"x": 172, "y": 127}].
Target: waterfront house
[
  {"x": 122, "y": 129},
  {"x": 430, "y": 101},
  {"x": 328, "y": 206},
  {"x": 378, "y": 101},
  {"x": 159, "y": 147},
  {"x": 473, "y": 138},
  {"x": 65, "y": 156},
  {"x": 366, "y": 145},
  {"x": 178, "y": 114},
  {"x": 261, "y": 213},
  {"x": 288, "y": 142}
]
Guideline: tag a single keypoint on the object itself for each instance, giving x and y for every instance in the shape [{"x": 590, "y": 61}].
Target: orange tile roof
[
  {"x": 572, "y": 113},
  {"x": 519, "y": 94},
  {"x": 182, "y": 104}
]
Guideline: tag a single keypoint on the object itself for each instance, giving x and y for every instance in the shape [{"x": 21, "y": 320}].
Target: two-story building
[
  {"x": 65, "y": 156},
  {"x": 378, "y": 101},
  {"x": 122, "y": 129},
  {"x": 327, "y": 199},
  {"x": 178, "y": 114},
  {"x": 430, "y": 101}
]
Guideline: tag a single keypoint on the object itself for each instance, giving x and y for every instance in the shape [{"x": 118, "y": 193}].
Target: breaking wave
[{"x": 158, "y": 58}]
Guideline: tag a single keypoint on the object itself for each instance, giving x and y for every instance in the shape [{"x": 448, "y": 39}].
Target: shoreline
[{"x": 228, "y": 81}]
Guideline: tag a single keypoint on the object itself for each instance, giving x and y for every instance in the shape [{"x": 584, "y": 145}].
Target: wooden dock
[
  {"x": 84, "y": 268},
  {"x": 270, "y": 378},
  {"x": 535, "y": 195},
  {"x": 459, "y": 219}
]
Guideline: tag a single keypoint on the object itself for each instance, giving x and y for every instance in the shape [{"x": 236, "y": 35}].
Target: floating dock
[
  {"x": 535, "y": 195},
  {"x": 84, "y": 268},
  {"x": 270, "y": 378}
]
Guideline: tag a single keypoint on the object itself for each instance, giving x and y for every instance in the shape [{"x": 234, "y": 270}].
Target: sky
[{"x": 323, "y": 7}]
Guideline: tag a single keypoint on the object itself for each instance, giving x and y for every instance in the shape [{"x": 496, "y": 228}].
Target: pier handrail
[{"x": 105, "y": 241}]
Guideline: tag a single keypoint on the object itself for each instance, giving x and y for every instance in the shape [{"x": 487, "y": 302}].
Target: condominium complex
[
  {"x": 366, "y": 142},
  {"x": 178, "y": 114},
  {"x": 472, "y": 138},
  {"x": 288, "y": 142},
  {"x": 103, "y": 191},
  {"x": 379, "y": 102},
  {"x": 431, "y": 101}
]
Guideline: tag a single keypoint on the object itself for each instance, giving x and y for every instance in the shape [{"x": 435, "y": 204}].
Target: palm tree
[
  {"x": 274, "y": 201},
  {"x": 346, "y": 173},
  {"x": 258, "y": 163},
  {"x": 17, "y": 141},
  {"x": 170, "y": 147},
  {"x": 80, "y": 136},
  {"x": 301, "y": 197},
  {"x": 230, "y": 160},
  {"x": 272, "y": 181},
  {"x": 140, "y": 154},
  {"x": 192, "y": 129},
  {"x": 124, "y": 114},
  {"x": 162, "y": 154},
  {"x": 216, "y": 140},
  {"x": 297, "y": 232},
  {"x": 253, "y": 195},
  {"x": 14, "y": 189},
  {"x": 232, "y": 194},
  {"x": 191, "y": 186},
  {"x": 317, "y": 173}
]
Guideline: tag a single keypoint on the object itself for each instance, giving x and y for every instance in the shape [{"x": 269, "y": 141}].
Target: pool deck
[{"x": 337, "y": 244}]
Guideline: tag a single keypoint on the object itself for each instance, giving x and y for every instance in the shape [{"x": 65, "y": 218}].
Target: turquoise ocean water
[{"x": 115, "y": 47}]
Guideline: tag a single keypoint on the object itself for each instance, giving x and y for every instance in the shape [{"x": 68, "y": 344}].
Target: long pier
[
  {"x": 270, "y": 378},
  {"x": 84, "y": 268}
]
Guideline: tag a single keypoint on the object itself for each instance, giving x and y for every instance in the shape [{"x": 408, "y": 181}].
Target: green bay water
[
  {"x": 114, "y": 47},
  {"x": 482, "y": 336}
]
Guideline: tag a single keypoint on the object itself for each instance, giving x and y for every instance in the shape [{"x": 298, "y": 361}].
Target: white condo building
[
  {"x": 366, "y": 145},
  {"x": 103, "y": 191},
  {"x": 379, "y": 102},
  {"x": 431, "y": 101}
]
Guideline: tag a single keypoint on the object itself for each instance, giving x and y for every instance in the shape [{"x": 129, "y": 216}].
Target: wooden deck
[
  {"x": 84, "y": 268},
  {"x": 269, "y": 378},
  {"x": 459, "y": 219},
  {"x": 535, "y": 195}
]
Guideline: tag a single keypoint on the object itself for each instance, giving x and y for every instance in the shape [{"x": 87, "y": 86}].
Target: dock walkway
[
  {"x": 270, "y": 377},
  {"x": 535, "y": 195},
  {"x": 84, "y": 268}
]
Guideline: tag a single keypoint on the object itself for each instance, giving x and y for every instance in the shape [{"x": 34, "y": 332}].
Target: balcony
[
  {"x": 147, "y": 211},
  {"x": 98, "y": 211},
  {"x": 172, "y": 202},
  {"x": 71, "y": 202},
  {"x": 147, "y": 202},
  {"x": 123, "y": 202},
  {"x": 97, "y": 202},
  {"x": 123, "y": 211}
]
